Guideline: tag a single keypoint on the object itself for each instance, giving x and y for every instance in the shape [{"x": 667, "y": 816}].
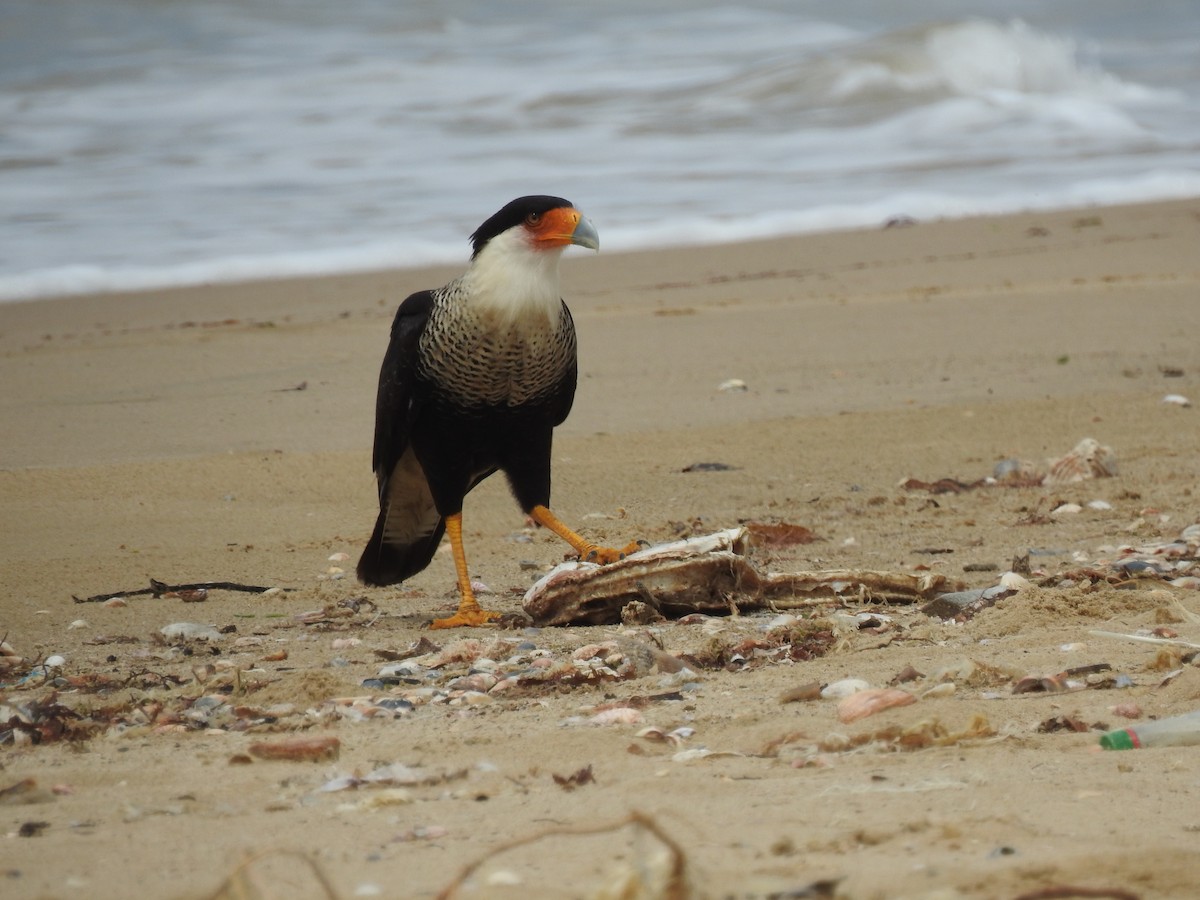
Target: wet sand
[{"x": 223, "y": 434}]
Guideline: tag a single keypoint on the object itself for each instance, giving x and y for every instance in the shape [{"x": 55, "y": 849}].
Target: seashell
[
  {"x": 189, "y": 631},
  {"x": 339, "y": 557},
  {"x": 618, "y": 715},
  {"x": 55, "y": 662},
  {"x": 841, "y": 689},
  {"x": 78, "y": 623},
  {"x": 1099, "y": 504},
  {"x": 345, "y": 643},
  {"x": 1177, "y": 400},
  {"x": 480, "y": 682},
  {"x": 731, "y": 385},
  {"x": 115, "y": 603},
  {"x": 310, "y": 749},
  {"x": 1066, "y": 509},
  {"x": 810, "y": 691},
  {"x": 1014, "y": 582},
  {"x": 869, "y": 702},
  {"x": 1089, "y": 459}
]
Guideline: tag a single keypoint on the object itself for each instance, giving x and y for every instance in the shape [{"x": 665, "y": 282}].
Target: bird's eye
[{"x": 533, "y": 219}]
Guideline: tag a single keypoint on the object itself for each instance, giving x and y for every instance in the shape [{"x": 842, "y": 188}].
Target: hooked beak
[{"x": 585, "y": 234}]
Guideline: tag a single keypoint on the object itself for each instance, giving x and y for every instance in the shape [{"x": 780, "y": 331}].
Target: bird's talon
[{"x": 467, "y": 618}]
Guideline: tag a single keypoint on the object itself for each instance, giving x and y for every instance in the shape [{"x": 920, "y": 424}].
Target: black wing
[
  {"x": 408, "y": 528},
  {"x": 564, "y": 395},
  {"x": 395, "y": 405}
]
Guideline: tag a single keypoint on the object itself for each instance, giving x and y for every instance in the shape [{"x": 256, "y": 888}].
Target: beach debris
[
  {"x": 661, "y": 875},
  {"x": 576, "y": 779},
  {"x": 772, "y": 535},
  {"x": 1066, "y": 891},
  {"x": 188, "y": 593},
  {"x": 865, "y": 703},
  {"x": 961, "y": 606},
  {"x": 190, "y": 631},
  {"x": 10, "y": 659},
  {"x": 1176, "y": 400},
  {"x": 1088, "y": 459},
  {"x": 918, "y": 736},
  {"x": 846, "y": 687},
  {"x": 1176, "y": 731},
  {"x": 796, "y": 641},
  {"x": 711, "y": 574},
  {"x": 802, "y": 693},
  {"x": 306, "y": 749},
  {"x": 708, "y": 467},
  {"x": 24, "y": 793},
  {"x": 43, "y": 721},
  {"x": 1072, "y": 724},
  {"x": 1049, "y": 684},
  {"x": 732, "y": 385},
  {"x": 276, "y": 873}
]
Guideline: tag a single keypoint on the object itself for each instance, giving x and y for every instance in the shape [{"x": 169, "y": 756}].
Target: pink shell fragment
[{"x": 867, "y": 703}]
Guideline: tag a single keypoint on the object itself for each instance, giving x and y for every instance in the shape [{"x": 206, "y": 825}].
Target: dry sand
[{"x": 161, "y": 435}]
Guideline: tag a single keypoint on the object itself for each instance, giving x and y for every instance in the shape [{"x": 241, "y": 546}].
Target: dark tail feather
[{"x": 382, "y": 563}]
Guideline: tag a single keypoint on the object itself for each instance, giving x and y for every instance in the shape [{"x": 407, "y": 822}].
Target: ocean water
[{"x": 146, "y": 143}]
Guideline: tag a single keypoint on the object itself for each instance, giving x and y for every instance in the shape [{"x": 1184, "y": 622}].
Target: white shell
[
  {"x": 841, "y": 689},
  {"x": 1177, "y": 400},
  {"x": 1013, "y": 581}
]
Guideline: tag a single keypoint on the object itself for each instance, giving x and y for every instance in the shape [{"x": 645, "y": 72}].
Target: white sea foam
[{"x": 187, "y": 143}]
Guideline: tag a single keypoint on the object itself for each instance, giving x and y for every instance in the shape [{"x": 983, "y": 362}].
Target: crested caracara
[{"x": 477, "y": 375}]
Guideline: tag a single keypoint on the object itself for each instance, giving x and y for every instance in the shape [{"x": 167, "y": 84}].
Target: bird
[{"x": 476, "y": 376}]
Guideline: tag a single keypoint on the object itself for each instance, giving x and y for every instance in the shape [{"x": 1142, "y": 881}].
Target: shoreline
[{"x": 971, "y": 310}]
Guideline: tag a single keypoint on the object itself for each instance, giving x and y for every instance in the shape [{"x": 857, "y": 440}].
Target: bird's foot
[
  {"x": 467, "y": 617},
  {"x": 602, "y": 556}
]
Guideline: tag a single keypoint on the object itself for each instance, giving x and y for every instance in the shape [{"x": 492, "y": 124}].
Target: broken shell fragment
[
  {"x": 313, "y": 749},
  {"x": 810, "y": 691},
  {"x": 1088, "y": 459},
  {"x": 869, "y": 702},
  {"x": 841, "y": 689}
]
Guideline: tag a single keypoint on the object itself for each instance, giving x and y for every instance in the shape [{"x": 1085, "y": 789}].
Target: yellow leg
[
  {"x": 587, "y": 551},
  {"x": 469, "y": 611}
]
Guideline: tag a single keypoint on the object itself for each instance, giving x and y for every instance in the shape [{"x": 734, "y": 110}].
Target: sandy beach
[{"x": 222, "y": 434}]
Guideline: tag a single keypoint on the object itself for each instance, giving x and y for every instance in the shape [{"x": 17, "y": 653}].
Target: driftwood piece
[
  {"x": 710, "y": 574},
  {"x": 159, "y": 588}
]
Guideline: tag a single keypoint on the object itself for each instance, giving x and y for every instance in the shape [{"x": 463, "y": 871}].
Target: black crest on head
[{"x": 513, "y": 214}]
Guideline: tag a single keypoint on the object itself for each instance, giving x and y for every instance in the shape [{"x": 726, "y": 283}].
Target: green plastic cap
[{"x": 1121, "y": 739}]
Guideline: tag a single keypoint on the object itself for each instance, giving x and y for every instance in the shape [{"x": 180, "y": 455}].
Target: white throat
[{"x": 514, "y": 282}]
